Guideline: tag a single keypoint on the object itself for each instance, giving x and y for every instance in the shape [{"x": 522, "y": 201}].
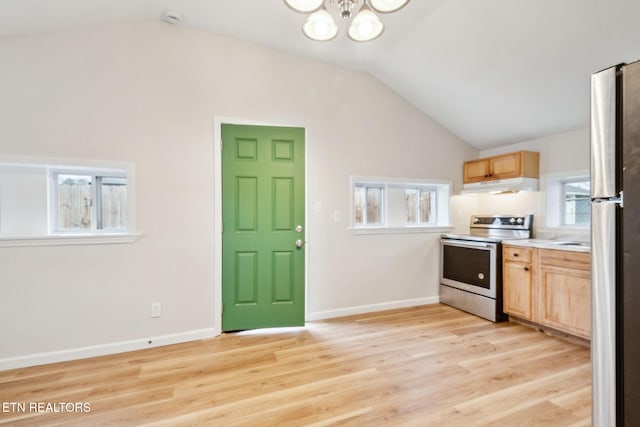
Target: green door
[{"x": 263, "y": 218}]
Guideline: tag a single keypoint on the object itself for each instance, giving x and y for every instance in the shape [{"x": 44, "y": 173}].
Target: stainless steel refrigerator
[{"x": 615, "y": 246}]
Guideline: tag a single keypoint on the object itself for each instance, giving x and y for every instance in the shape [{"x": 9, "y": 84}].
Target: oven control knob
[
  {"x": 512, "y": 220},
  {"x": 476, "y": 220},
  {"x": 480, "y": 276},
  {"x": 520, "y": 220}
]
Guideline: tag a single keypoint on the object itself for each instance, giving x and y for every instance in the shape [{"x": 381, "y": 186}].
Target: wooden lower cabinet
[
  {"x": 548, "y": 287},
  {"x": 565, "y": 291},
  {"x": 517, "y": 297}
]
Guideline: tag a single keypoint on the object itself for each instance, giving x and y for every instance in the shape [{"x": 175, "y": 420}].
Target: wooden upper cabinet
[
  {"x": 512, "y": 165},
  {"x": 476, "y": 170}
]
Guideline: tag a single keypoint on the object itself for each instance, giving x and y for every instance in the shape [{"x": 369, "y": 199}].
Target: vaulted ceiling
[{"x": 494, "y": 72}]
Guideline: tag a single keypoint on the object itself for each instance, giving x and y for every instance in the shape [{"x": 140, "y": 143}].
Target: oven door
[{"x": 469, "y": 266}]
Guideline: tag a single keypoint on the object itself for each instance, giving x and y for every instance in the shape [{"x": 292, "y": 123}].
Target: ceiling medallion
[{"x": 365, "y": 25}]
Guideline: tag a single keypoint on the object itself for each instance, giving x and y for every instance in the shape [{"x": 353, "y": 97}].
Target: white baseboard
[
  {"x": 103, "y": 350},
  {"x": 360, "y": 309}
]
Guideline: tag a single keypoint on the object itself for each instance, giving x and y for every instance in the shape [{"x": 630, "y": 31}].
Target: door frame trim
[{"x": 218, "y": 121}]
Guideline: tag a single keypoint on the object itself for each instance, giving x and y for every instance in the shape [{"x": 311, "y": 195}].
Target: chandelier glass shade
[
  {"x": 304, "y": 6},
  {"x": 320, "y": 26},
  {"x": 388, "y": 6},
  {"x": 365, "y": 25}
]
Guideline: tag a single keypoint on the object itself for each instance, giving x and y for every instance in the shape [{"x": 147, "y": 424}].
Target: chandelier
[{"x": 365, "y": 25}]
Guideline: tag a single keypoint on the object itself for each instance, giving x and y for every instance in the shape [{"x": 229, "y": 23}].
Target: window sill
[
  {"x": 68, "y": 239},
  {"x": 401, "y": 230}
]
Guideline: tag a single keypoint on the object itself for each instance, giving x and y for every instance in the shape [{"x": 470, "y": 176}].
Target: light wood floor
[{"x": 423, "y": 366}]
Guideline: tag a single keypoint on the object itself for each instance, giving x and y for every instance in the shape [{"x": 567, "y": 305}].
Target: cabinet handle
[
  {"x": 515, "y": 255},
  {"x": 526, "y": 269}
]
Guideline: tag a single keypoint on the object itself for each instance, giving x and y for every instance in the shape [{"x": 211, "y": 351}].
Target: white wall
[
  {"x": 559, "y": 154},
  {"x": 23, "y": 200},
  {"x": 148, "y": 93}
]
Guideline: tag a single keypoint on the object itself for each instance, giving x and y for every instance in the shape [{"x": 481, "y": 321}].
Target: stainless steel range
[{"x": 471, "y": 264}]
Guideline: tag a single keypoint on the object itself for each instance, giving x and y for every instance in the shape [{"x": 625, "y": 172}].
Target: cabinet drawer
[
  {"x": 516, "y": 253},
  {"x": 566, "y": 259}
]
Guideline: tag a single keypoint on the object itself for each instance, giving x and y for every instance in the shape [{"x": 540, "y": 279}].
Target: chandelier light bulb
[
  {"x": 366, "y": 29},
  {"x": 366, "y": 26},
  {"x": 320, "y": 26},
  {"x": 387, "y": 6}
]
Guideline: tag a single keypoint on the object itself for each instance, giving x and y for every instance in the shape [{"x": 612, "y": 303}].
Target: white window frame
[
  {"x": 556, "y": 199},
  {"x": 394, "y": 205}
]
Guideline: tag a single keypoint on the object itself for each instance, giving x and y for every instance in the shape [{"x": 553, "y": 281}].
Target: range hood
[{"x": 512, "y": 185}]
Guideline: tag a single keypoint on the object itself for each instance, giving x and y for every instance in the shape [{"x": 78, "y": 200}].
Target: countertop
[{"x": 560, "y": 245}]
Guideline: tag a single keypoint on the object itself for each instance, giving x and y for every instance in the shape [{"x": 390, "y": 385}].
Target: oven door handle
[{"x": 468, "y": 243}]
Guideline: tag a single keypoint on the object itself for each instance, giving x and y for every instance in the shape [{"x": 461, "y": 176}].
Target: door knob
[
  {"x": 299, "y": 228},
  {"x": 300, "y": 243}
]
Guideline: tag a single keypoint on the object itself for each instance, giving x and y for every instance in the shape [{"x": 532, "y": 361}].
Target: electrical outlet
[{"x": 156, "y": 309}]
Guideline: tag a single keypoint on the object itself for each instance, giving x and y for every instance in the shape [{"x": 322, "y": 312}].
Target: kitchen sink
[{"x": 583, "y": 244}]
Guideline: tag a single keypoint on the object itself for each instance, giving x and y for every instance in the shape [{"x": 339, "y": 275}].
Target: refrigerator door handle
[
  {"x": 603, "y": 133},
  {"x": 603, "y": 317}
]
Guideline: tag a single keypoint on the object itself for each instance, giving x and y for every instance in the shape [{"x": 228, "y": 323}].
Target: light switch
[{"x": 156, "y": 309}]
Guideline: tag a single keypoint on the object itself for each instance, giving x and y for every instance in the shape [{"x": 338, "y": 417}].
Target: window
[
  {"x": 399, "y": 204},
  {"x": 419, "y": 206},
  {"x": 89, "y": 200},
  {"x": 568, "y": 201},
  {"x": 367, "y": 200},
  {"x": 576, "y": 203}
]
